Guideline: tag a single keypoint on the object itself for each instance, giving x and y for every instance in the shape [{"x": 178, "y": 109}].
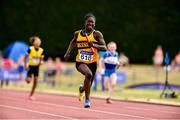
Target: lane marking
[
  {"x": 159, "y": 111},
  {"x": 34, "y": 111},
  {"x": 133, "y": 108},
  {"x": 77, "y": 108}
]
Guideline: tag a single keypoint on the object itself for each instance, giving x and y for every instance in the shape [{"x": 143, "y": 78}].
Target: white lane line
[
  {"x": 34, "y": 111},
  {"x": 153, "y": 110},
  {"x": 77, "y": 108}
]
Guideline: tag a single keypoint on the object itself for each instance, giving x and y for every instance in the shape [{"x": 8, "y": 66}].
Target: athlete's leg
[
  {"x": 93, "y": 68},
  {"x": 29, "y": 75},
  {"x": 35, "y": 80},
  {"x": 106, "y": 82},
  {"x": 106, "y": 79},
  {"x": 107, "y": 86},
  {"x": 113, "y": 79},
  {"x": 34, "y": 85},
  {"x": 84, "y": 69}
]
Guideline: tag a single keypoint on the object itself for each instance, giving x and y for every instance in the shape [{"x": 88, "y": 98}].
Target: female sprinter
[
  {"x": 35, "y": 55},
  {"x": 88, "y": 41}
]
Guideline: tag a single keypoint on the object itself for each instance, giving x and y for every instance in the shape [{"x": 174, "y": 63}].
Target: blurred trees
[{"x": 137, "y": 26}]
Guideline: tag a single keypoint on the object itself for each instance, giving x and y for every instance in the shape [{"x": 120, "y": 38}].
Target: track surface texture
[{"x": 15, "y": 105}]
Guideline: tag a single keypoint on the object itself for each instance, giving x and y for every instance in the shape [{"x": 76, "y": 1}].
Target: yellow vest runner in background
[{"x": 35, "y": 56}]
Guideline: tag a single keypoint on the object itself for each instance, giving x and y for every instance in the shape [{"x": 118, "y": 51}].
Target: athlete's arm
[
  {"x": 101, "y": 45},
  {"x": 25, "y": 59},
  {"x": 102, "y": 62},
  {"x": 71, "y": 45}
]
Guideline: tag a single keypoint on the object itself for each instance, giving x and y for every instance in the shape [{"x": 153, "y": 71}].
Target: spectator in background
[
  {"x": 50, "y": 72},
  {"x": 177, "y": 61},
  {"x": 7, "y": 64},
  {"x": 1, "y": 66},
  {"x": 99, "y": 72},
  {"x": 175, "y": 64},
  {"x": 123, "y": 59},
  {"x": 158, "y": 56},
  {"x": 158, "y": 61},
  {"x": 59, "y": 65},
  {"x": 99, "y": 76},
  {"x": 21, "y": 68}
]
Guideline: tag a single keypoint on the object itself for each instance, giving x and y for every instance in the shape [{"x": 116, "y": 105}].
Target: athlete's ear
[{"x": 94, "y": 24}]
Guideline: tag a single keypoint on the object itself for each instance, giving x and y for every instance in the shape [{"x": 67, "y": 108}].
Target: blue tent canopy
[{"x": 15, "y": 50}]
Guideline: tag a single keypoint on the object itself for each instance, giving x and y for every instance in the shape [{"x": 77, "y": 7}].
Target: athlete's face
[
  {"x": 112, "y": 47},
  {"x": 37, "y": 42},
  {"x": 90, "y": 23}
]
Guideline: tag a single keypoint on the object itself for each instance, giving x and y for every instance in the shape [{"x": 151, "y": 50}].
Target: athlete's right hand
[{"x": 67, "y": 55}]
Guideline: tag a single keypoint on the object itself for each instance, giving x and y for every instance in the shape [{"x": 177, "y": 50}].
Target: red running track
[{"x": 15, "y": 105}]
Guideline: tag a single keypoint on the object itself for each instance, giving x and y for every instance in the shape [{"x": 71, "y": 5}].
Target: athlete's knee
[{"x": 89, "y": 75}]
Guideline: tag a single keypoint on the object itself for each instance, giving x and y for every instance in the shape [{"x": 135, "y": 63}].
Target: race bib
[
  {"x": 111, "y": 60},
  {"x": 86, "y": 56},
  {"x": 35, "y": 60}
]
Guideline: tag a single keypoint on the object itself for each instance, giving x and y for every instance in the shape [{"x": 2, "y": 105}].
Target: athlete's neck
[
  {"x": 86, "y": 31},
  {"x": 112, "y": 51},
  {"x": 36, "y": 47}
]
